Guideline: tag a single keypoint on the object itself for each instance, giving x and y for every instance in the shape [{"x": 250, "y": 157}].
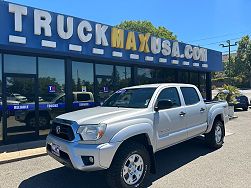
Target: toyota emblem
[{"x": 58, "y": 130}]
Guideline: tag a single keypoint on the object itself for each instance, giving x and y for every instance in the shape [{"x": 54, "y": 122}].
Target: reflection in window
[
  {"x": 184, "y": 77},
  {"x": 194, "y": 78},
  {"x": 122, "y": 77},
  {"x": 82, "y": 76},
  {"x": 166, "y": 76},
  {"x": 105, "y": 82},
  {"x": 19, "y": 64},
  {"x": 146, "y": 76},
  {"x": 51, "y": 76},
  {"x": 105, "y": 70}
]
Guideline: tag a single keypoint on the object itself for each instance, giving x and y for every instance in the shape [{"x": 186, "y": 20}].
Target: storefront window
[
  {"x": 83, "y": 85},
  {"x": 184, "y": 77},
  {"x": 105, "y": 70},
  {"x": 194, "y": 78},
  {"x": 166, "y": 76},
  {"x": 203, "y": 84},
  {"x": 146, "y": 76},
  {"x": 122, "y": 77},
  {"x": 105, "y": 82},
  {"x": 51, "y": 76},
  {"x": 19, "y": 64},
  {"x": 82, "y": 75}
]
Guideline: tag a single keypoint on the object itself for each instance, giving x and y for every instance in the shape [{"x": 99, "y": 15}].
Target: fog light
[
  {"x": 88, "y": 160},
  {"x": 91, "y": 159}
]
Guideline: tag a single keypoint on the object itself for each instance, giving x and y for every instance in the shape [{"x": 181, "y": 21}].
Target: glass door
[{"x": 20, "y": 107}]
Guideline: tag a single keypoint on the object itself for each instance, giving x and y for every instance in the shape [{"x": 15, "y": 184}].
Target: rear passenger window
[
  {"x": 170, "y": 94},
  {"x": 190, "y": 95},
  {"x": 83, "y": 97}
]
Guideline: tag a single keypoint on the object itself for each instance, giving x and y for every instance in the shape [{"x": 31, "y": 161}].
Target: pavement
[
  {"x": 21, "y": 151},
  {"x": 189, "y": 164}
]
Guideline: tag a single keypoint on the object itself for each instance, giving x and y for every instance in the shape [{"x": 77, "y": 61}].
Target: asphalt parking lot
[{"x": 189, "y": 164}]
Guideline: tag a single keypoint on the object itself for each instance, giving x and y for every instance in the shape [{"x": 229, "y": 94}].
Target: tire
[
  {"x": 215, "y": 138},
  {"x": 245, "y": 108},
  {"x": 44, "y": 121},
  {"x": 118, "y": 173}
]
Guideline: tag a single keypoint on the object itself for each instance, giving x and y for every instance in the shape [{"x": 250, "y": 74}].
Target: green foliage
[
  {"x": 238, "y": 71},
  {"x": 147, "y": 27},
  {"x": 243, "y": 59},
  {"x": 228, "y": 93},
  {"x": 236, "y": 81}
]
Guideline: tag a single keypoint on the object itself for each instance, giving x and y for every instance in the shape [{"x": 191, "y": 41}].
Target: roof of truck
[{"x": 161, "y": 84}]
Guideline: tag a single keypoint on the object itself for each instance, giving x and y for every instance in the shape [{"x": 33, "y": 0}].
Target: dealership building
[{"x": 53, "y": 63}]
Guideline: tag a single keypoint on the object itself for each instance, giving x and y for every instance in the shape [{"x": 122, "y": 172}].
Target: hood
[{"x": 98, "y": 114}]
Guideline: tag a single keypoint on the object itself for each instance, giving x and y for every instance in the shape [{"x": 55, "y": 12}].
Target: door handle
[
  {"x": 202, "y": 109},
  {"x": 182, "y": 114}
]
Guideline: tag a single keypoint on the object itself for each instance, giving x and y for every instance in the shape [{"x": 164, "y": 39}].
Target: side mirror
[{"x": 163, "y": 104}]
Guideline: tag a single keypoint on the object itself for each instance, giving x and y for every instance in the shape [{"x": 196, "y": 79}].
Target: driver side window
[{"x": 170, "y": 94}]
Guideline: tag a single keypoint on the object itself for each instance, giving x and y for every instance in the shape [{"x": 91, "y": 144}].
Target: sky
[{"x": 206, "y": 23}]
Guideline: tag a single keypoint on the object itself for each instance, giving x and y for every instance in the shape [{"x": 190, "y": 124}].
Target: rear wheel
[
  {"x": 130, "y": 167},
  {"x": 215, "y": 138}
]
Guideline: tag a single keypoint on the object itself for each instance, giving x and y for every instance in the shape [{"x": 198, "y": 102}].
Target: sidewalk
[{"x": 14, "y": 152}]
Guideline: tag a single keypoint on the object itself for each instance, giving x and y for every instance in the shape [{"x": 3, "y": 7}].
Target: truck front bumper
[{"x": 76, "y": 155}]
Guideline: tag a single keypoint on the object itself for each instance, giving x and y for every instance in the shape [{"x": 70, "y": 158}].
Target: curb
[{"x": 16, "y": 152}]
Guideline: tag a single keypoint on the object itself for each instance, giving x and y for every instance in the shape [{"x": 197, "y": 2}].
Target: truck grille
[{"x": 62, "y": 131}]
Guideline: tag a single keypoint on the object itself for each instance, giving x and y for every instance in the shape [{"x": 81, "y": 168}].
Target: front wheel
[
  {"x": 215, "y": 138},
  {"x": 130, "y": 167}
]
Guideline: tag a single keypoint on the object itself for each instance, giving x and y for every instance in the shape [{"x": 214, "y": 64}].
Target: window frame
[
  {"x": 156, "y": 102},
  {"x": 199, "y": 100}
]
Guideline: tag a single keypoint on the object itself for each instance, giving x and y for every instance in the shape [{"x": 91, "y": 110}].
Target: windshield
[{"x": 130, "y": 98}]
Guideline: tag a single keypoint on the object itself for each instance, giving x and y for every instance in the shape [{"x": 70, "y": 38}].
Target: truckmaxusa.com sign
[{"x": 47, "y": 31}]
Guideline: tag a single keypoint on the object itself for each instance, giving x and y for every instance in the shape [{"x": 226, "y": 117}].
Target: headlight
[{"x": 91, "y": 132}]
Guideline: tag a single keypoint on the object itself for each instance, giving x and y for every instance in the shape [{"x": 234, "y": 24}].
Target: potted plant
[{"x": 229, "y": 94}]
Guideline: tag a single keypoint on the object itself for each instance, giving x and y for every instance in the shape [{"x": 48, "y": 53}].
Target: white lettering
[
  {"x": 18, "y": 12},
  {"x": 196, "y": 53},
  {"x": 175, "y": 50},
  {"x": 188, "y": 52},
  {"x": 100, "y": 35},
  {"x": 155, "y": 45},
  {"x": 60, "y": 27},
  {"x": 83, "y": 27},
  {"x": 166, "y": 48},
  {"x": 42, "y": 20},
  {"x": 203, "y": 54}
]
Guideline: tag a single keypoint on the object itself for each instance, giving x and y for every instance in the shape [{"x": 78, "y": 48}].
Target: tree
[
  {"x": 147, "y": 27},
  {"x": 243, "y": 60}
]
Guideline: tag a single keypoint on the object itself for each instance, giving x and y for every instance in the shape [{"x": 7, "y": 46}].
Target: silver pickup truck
[{"x": 123, "y": 135}]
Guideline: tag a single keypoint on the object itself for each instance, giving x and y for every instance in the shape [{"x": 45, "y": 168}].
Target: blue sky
[{"x": 202, "y": 22}]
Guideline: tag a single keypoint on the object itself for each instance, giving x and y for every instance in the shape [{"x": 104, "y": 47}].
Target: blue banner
[{"x": 77, "y": 105}]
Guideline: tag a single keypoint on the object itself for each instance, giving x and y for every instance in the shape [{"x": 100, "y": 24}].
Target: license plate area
[{"x": 55, "y": 149}]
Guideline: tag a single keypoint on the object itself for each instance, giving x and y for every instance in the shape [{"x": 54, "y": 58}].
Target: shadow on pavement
[{"x": 168, "y": 160}]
